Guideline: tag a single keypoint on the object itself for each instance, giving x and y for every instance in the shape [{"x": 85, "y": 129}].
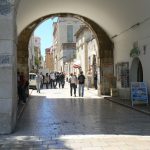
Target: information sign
[{"x": 139, "y": 93}]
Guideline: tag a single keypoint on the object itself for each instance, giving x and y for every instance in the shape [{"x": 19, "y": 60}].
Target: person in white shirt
[
  {"x": 47, "y": 80},
  {"x": 73, "y": 84},
  {"x": 41, "y": 74},
  {"x": 52, "y": 80},
  {"x": 38, "y": 82}
]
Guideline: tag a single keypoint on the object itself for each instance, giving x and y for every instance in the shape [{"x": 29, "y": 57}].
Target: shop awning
[{"x": 77, "y": 64}]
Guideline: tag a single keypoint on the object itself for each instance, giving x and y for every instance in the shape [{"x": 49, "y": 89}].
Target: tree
[{"x": 37, "y": 61}]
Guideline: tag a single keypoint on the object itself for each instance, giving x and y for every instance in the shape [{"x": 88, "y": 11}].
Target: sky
[{"x": 45, "y": 32}]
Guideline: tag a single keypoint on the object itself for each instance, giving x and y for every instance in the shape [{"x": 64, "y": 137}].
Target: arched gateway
[
  {"x": 14, "y": 54},
  {"x": 105, "y": 47}
]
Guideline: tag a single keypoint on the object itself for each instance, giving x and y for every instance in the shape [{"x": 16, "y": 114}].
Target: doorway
[{"x": 136, "y": 74}]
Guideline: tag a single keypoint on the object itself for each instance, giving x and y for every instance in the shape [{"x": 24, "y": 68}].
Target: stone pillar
[
  {"x": 22, "y": 61},
  {"x": 107, "y": 75},
  {"x": 8, "y": 75}
]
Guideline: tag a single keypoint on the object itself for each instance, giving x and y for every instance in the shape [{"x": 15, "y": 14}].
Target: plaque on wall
[
  {"x": 5, "y": 7},
  {"x": 5, "y": 60}
]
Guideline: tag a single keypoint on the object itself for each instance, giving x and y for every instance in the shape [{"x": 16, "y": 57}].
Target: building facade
[
  {"x": 64, "y": 41},
  {"x": 83, "y": 36},
  {"x": 92, "y": 58},
  {"x": 35, "y": 58},
  {"x": 31, "y": 61},
  {"x": 37, "y": 51},
  {"x": 42, "y": 66},
  {"x": 49, "y": 60}
]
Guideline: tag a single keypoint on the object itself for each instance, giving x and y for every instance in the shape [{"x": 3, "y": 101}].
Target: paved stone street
[{"x": 53, "y": 120}]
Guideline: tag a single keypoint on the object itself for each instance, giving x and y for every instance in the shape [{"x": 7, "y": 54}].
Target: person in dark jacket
[
  {"x": 95, "y": 80},
  {"x": 81, "y": 81},
  {"x": 73, "y": 83}
]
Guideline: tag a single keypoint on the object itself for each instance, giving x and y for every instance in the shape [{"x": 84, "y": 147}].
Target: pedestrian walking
[
  {"x": 62, "y": 79},
  {"x": 57, "y": 79},
  {"x": 38, "y": 79},
  {"x": 81, "y": 80},
  {"x": 73, "y": 84},
  {"x": 42, "y": 83},
  {"x": 95, "y": 80},
  {"x": 46, "y": 80},
  {"x": 52, "y": 80}
]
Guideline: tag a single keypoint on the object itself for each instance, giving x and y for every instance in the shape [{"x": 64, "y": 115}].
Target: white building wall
[
  {"x": 82, "y": 48},
  {"x": 124, "y": 44},
  {"x": 63, "y": 28},
  {"x": 92, "y": 50},
  {"x": 62, "y": 36}
]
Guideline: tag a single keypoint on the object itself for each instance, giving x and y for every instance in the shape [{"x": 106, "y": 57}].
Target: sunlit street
[{"x": 53, "y": 119}]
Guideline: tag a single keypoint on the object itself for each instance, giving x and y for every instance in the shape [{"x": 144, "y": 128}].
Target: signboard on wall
[
  {"x": 125, "y": 78},
  {"x": 139, "y": 93}
]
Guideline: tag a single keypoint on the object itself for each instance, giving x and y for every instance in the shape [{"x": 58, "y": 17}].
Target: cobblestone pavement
[{"x": 50, "y": 122}]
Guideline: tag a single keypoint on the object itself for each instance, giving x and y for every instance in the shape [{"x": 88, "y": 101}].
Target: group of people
[
  {"x": 74, "y": 80},
  {"x": 55, "y": 78},
  {"x": 80, "y": 80},
  {"x": 51, "y": 80}
]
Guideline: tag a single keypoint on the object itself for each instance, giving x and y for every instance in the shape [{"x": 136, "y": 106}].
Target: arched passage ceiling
[{"x": 113, "y": 16}]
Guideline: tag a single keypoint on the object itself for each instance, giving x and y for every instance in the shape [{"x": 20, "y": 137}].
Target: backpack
[{"x": 81, "y": 79}]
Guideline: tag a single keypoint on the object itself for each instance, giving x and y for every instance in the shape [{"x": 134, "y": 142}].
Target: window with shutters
[{"x": 70, "y": 33}]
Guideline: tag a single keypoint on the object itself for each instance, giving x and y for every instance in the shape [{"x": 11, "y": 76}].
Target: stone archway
[
  {"x": 8, "y": 100},
  {"x": 105, "y": 49}
]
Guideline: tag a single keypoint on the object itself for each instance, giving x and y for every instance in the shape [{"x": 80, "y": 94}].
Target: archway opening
[{"x": 104, "y": 56}]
